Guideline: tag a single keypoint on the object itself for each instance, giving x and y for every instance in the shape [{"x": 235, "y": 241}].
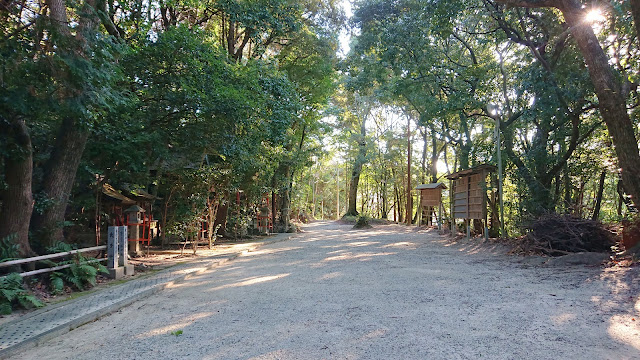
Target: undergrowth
[
  {"x": 14, "y": 295},
  {"x": 8, "y": 248},
  {"x": 80, "y": 275}
]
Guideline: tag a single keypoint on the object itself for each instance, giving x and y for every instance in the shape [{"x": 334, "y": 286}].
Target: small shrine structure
[
  {"x": 469, "y": 196},
  {"x": 430, "y": 200}
]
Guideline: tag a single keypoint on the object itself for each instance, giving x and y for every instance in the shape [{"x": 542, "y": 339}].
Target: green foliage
[
  {"x": 176, "y": 333},
  {"x": 8, "y": 248},
  {"x": 13, "y": 294},
  {"x": 80, "y": 274}
]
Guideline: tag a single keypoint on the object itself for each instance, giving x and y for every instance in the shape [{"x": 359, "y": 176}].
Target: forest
[{"x": 208, "y": 111}]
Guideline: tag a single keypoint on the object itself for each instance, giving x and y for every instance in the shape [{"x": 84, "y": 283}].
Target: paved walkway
[{"x": 54, "y": 320}]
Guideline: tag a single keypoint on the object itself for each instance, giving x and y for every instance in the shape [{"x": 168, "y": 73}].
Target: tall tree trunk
[
  {"x": 60, "y": 174},
  {"x": 568, "y": 189},
  {"x": 357, "y": 168},
  {"x": 635, "y": 12},
  {"x": 385, "y": 207},
  {"x": 434, "y": 157},
  {"x": 596, "y": 209},
  {"x": 62, "y": 165},
  {"x": 282, "y": 179},
  {"x": 17, "y": 199},
  {"x": 423, "y": 175},
  {"x": 409, "y": 197}
]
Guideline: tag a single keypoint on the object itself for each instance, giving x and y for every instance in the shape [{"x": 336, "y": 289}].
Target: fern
[
  {"x": 13, "y": 294},
  {"x": 57, "y": 284},
  {"x": 79, "y": 275},
  {"x": 8, "y": 248}
]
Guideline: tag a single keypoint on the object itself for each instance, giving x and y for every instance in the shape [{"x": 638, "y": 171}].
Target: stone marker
[
  {"x": 123, "y": 255},
  {"x": 115, "y": 271}
]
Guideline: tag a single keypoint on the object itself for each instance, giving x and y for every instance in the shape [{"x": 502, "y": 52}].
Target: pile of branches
[{"x": 557, "y": 235}]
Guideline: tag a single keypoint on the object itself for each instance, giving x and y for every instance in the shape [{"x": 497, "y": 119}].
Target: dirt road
[{"x": 386, "y": 293}]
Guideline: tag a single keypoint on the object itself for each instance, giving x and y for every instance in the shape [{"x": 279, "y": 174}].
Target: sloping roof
[
  {"x": 473, "y": 170},
  {"x": 143, "y": 194},
  {"x": 431, "y": 186},
  {"x": 114, "y": 194}
]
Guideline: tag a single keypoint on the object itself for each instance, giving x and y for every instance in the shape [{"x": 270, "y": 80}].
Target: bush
[
  {"x": 13, "y": 295},
  {"x": 362, "y": 222}
]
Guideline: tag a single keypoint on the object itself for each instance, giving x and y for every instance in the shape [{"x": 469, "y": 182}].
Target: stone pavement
[{"x": 54, "y": 320}]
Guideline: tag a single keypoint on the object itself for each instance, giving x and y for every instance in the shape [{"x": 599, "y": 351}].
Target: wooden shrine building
[
  {"x": 469, "y": 196},
  {"x": 430, "y": 201}
]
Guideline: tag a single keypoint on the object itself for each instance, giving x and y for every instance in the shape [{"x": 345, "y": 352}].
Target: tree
[{"x": 612, "y": 101}]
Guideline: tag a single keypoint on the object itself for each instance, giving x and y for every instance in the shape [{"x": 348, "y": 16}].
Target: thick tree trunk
[
  {"x": 285, "y": 209},
  {"x": 409, "y": 187},
  {"x": 434, "y": 157},
  {"x": 635, "y": 11},
  {"x": 357, "y": 169},
  {"x": 568, "y": 190},
  {"x": 62, "y": 165},
  {"x": 17, "y": 199},
  {"x": 596, "y": 209},
  {"x": 282, "y": 179},
  {"x": 385, "y": 206},
  {"x": 423, "y": 164},
  {"x": 60, "y": 175}
]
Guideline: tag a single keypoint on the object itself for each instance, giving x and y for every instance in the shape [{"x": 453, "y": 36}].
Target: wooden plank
[
  {"x": 50, "y": 256},
  {"x": 56, "y": 268}
]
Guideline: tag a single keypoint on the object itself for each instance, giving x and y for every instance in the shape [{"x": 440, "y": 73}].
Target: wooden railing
[{"x": 52, "y": 256}]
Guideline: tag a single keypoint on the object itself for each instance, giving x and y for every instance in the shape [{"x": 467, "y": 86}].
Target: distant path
[{"x": 387, "y": 293}]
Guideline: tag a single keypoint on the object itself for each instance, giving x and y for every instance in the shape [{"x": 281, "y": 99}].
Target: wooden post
[
  {"x": 468, "y": 228},
  {"x": 452, "y": 194},
  {"x": 484, "y": 204}
]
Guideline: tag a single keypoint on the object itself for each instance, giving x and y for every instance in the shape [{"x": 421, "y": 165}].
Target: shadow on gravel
[{"x": 388, "y": 292}]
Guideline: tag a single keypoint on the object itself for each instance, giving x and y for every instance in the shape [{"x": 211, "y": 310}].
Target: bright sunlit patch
[
  {"x": 595, "y": 15},
  {"x": 362, "y": 243},
  {"x": 626, "y": 329},
  {"x": 250, "y": 281},
  {"x": 400, "y": 244},
  {"x": 270, "y": 251},
  {"x": 360, "y": 257},
  {"x": 186, "y": 321}
]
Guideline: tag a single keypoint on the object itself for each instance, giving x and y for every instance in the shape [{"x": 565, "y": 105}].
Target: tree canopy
[{"x": 214, "y": 107}]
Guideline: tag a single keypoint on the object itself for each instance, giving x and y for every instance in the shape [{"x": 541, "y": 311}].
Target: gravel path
[{"x": 386, "y": 293}]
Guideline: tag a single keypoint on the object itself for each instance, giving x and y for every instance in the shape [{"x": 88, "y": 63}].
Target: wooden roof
[
  {"x": 473, "y": 170},
  {"x": 114, "y": 194},
  {"x": 431, "y": 186}
]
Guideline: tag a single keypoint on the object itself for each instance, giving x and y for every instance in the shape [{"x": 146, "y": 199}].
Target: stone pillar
[
  {"x": 123, "y": 254},
  {"x": 115, "y": 270}
]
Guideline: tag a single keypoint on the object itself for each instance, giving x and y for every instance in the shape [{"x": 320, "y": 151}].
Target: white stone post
[
  {"x": 123, "y": 253},
  {"x": 115, "y": 271}
]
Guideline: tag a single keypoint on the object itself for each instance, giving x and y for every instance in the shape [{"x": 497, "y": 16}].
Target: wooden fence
[{"x": 52, "y": 256}]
